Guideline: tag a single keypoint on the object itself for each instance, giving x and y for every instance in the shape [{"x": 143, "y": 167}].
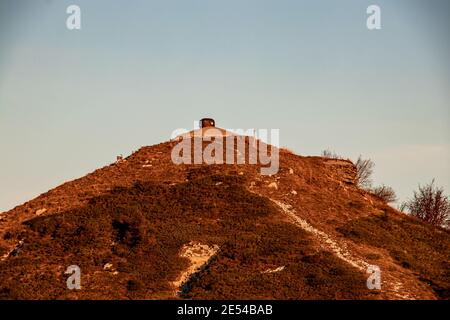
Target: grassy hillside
[{"x": 139, "y": 230}]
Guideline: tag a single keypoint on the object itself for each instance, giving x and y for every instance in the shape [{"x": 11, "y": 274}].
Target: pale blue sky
[{"x": 70, "y": 101}]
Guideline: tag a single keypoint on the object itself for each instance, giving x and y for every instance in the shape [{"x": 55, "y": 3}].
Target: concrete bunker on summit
[{"x": 207, "y": 122}]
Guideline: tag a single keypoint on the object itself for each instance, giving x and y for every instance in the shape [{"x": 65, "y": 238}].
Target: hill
[{"x": 145, "y": 228}]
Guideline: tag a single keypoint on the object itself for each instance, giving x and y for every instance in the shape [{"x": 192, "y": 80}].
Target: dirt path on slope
[
  {"x": 392, "y": 287},
  {"x": 339, "y": 250},
  {"x": 199, "y": 256}
]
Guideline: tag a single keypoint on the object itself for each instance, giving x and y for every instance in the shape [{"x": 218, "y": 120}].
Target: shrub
[
  {"x": 430, "y": 204},
  {"x": 385, "y": 193},
  {"x": 330, "y": 154}
]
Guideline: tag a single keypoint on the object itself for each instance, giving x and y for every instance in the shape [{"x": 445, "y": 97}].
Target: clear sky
[{"x": 70, "y": 101}]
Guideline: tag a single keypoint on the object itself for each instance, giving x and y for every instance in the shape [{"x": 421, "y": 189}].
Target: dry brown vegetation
[
  {"x": 140, "y": 231},
  {"x": 135, "y": 216},
  {"x": 385, "y": 193},
  {"x": 421, "y": 248}
]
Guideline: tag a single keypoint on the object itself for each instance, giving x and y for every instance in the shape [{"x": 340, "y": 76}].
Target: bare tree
[
  {"x": 430, "y": 204},
  {"x": 364, "y": 171},
  {"x": 403, "y": 206},
  {"x": 385, "y": 193}
]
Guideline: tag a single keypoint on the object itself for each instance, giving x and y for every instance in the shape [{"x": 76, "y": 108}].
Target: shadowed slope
[{"x": 140, "y": 231}]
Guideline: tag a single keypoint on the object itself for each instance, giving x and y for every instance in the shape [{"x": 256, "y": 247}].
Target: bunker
[{"x": 207, "y": 122}]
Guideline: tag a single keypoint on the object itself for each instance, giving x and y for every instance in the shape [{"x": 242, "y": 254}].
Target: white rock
[
  {"x": 274, "y": 270},
  {"x": 291, "y": 171},
  {"x": 107, "y": 266},
  {"x": 294, "y": 192},
  {"x": 40, "y": 211},
  {"x": 273, "y": 185}
]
